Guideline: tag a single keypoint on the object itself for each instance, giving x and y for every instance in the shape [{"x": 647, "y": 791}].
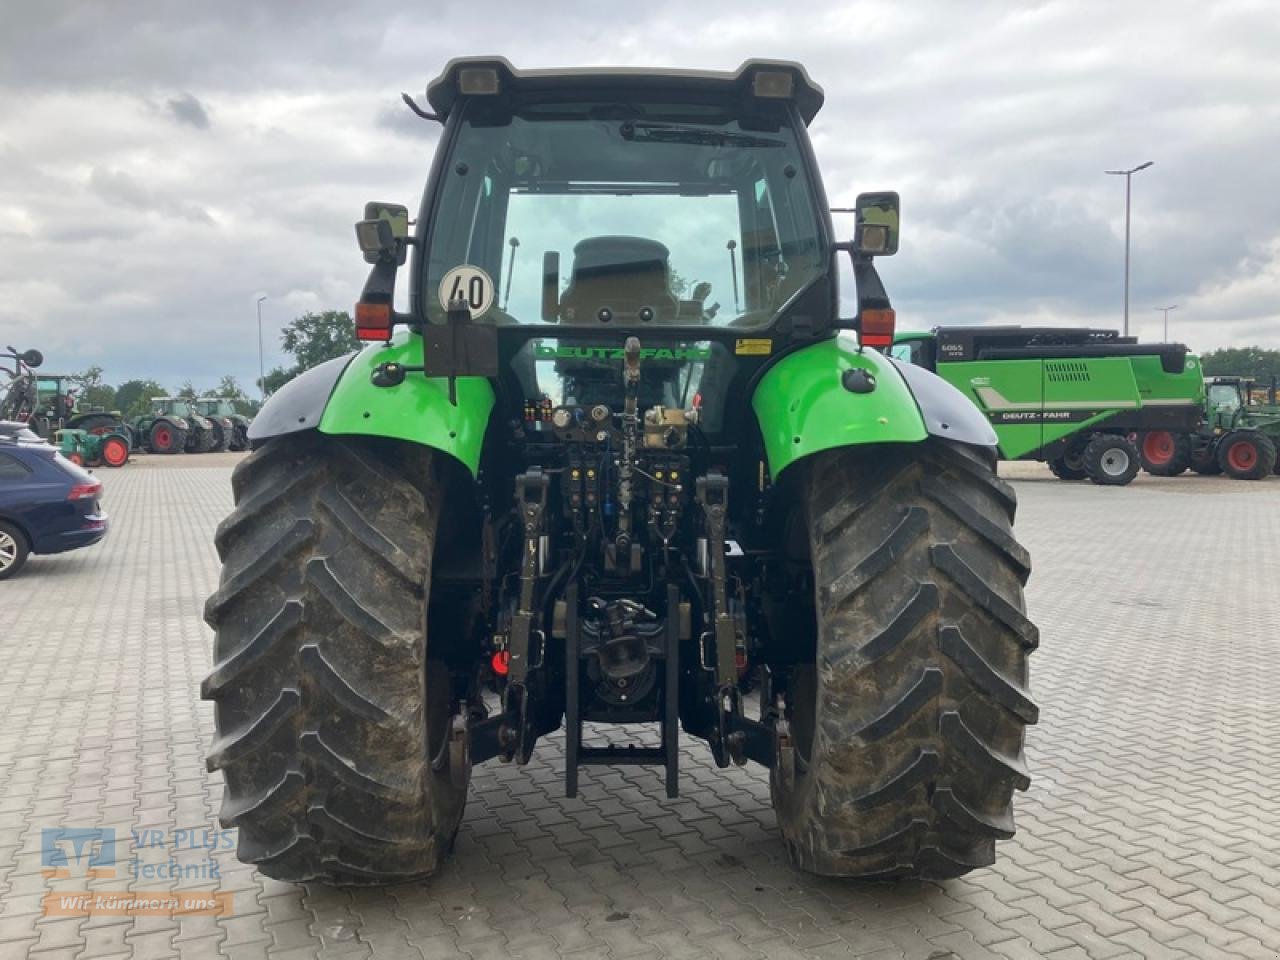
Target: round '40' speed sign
[{"x": 469, "y": 284}]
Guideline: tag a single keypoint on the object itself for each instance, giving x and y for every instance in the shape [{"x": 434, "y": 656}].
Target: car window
[{"x": 11, "y": 468}]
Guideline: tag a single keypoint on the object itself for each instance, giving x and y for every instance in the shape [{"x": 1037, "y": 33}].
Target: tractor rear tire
[
  {"x": 239, "y": 438},
  {"x": 1204, "y": 459},
  {"x": 1247, "y": 455},
  {"x": 329, "y": 710},
  {"x": 908, "y": 724},
  {"x": 166, "y": 438},
  {"x": 1164, "y": 453},
  {"x": 1111, "y": 460},
  {"x": 221, "y": 437}
]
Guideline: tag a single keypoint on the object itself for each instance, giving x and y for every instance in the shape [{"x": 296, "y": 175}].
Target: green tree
[
  {"x": 189, "y": 392},
  {"x": 313, "y": 338},
  {"x": 230, "y": 388},
  {"x": 277, "y": 378},
  {"x": 94, "y": 391},
  {"x": 1256, "y": 362},
  {"x": 133, "y": 397}
]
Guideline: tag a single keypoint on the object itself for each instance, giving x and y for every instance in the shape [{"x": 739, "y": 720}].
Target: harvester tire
[
  {"x": 1164, "y": 453},
  {"x": 166, "y": 438},
  {"x": 1247, "y": 455},
  {"x": 328, "y": 711},
  {"x": 1111, "y": 460},
  {"x": 908, "y": 726},
  {"x": 1063, "y": 469}
]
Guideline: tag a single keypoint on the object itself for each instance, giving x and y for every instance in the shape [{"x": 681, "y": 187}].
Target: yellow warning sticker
[{"x": 753, "y": 348}]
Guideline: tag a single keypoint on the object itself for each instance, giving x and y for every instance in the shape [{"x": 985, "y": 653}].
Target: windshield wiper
[{"x": 643, "y": 131}]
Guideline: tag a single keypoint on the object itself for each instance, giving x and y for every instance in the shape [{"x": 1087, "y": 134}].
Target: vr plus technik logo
[{"x": 78, "y": 851}]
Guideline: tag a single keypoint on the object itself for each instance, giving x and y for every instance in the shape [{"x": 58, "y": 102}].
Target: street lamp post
[
  {"x": 1172, "y": 306},
  {"x": 262, "y": 376},
  {"x": 1128, "y": 180}
]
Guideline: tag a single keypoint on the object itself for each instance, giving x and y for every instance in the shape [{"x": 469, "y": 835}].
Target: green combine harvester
[
  {"x": 1234, "y": 436},
  {"x": 1071, "y": 397},
  {"x": 620, "y": 462}
]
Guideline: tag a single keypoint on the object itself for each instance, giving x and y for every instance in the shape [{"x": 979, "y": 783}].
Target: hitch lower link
[{"x": 736, "y": 738}]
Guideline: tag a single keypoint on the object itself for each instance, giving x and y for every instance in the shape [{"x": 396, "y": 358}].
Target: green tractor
[
  {"x": 1233, "y": 437},
  {"x": 231, "y": 427},
  {"x": 47, "y": 401},
  {"x": 173, "y": 426},
  {"x": 578, "y": 491},
  {"x": 93, "y": 449},
  {"x": 1072, "y": 397}
]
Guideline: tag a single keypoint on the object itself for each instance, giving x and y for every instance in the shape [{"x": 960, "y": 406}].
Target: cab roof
[{"x": 444, "y": 92}]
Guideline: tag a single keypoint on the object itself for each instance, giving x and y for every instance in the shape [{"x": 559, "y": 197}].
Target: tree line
[
  {"x": 1255, "y": 363},
  {"x": 310, "y": 339}
]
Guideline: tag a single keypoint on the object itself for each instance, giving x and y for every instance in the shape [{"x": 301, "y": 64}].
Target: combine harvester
[{"x": 1071, "y": 397}]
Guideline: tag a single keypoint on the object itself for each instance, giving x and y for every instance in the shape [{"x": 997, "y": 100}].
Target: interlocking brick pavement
[{"x": 1152, "y": 828}]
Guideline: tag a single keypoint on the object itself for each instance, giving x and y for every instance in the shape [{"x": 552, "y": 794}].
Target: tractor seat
[{"x": 619, "y": 279}]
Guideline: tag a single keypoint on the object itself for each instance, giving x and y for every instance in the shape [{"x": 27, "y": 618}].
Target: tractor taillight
[
  {"x": 876, "y": 329},
  {"x": 501, "y": 662},
  {"x": 373, "y": 321}
]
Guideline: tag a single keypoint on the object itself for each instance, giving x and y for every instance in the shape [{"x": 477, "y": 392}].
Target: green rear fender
[
  {"x": 338, "y": 398},
  {"x": 803, "y": 408},
  {"x": 417, "y": 410}
]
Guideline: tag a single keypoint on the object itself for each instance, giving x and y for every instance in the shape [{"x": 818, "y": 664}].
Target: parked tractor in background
[
  {"x": 1233, "y": 436},
  {"x": 232, "y": 425},
  {"x": 93, "y": 449},
  {"x": 597, "y": 500},
  {"x": 47, "y": 402},
  {"x": 173, "y": 426}
]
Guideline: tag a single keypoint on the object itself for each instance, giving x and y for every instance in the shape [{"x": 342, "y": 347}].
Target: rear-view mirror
[
  {"x": 876, "y": 231},
  {"x": 384, "y": 230}
]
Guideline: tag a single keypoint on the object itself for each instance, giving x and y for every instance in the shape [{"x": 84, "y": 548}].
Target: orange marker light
[
  {"x": 373, "y": 321},
  {"x": 877, "y": 328}
]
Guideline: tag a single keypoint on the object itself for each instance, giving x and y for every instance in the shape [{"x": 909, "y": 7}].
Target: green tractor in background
[
  {"x": 93, "y": 449},
  {"x": 1233, "y": 437},
  {"x": 174, "y": 426},
  {"x": 573, "y": 491},
  {"x": 46, "y": 403},
  {"x": 231, "y": 425}
]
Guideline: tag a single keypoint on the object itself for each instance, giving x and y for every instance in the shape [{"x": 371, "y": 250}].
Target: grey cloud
[
  {"x": 189, "y": 110},
  {"x": 994, "y": 121},
  {"x": 119, "y": 187}
]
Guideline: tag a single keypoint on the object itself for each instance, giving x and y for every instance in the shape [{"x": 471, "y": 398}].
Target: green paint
[
  {"x": 417, "y": 410},
  {"x": 803, "y": 408}
]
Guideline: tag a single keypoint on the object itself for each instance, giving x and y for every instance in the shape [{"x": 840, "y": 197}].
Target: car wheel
[{"x": 13, "y": 550}]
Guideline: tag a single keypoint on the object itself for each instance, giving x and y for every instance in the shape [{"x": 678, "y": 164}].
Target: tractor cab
[{"x": 1225, "y": 401}]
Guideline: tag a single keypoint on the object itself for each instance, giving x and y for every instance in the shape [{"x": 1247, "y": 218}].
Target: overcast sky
[{"x": 162, "y": 164}]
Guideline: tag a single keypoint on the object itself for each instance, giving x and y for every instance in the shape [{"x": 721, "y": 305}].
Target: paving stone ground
[{"x": 1152, "y": 827}]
